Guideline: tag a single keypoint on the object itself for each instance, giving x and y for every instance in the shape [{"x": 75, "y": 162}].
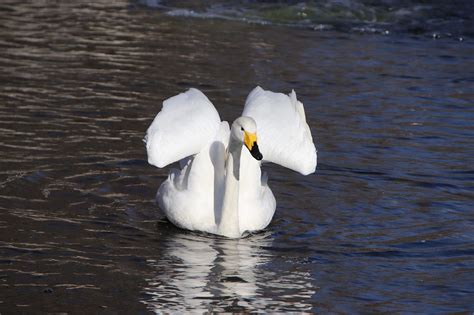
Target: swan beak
[{"x": 250, "y": 140}]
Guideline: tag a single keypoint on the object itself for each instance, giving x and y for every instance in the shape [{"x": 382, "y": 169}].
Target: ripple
[{"x": 384, "y": 225}]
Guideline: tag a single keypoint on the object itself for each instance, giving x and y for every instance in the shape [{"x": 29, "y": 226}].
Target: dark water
[
  {"x": 385, "y": 225},
  {"x": 451, "y": 19}
]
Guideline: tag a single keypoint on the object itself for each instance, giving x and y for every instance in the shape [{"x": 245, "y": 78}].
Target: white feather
[
  {"x": 182, "y": 128},
  {"x": 284, "y": 136}
]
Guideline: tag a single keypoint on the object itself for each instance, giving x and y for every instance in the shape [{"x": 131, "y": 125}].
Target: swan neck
[{"x": 229, "y": 225}]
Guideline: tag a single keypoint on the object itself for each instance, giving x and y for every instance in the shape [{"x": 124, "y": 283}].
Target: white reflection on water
[{"x": 198, "y": 273}]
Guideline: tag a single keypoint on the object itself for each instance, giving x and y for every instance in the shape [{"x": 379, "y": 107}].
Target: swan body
[{"x": 219, "y": 187}]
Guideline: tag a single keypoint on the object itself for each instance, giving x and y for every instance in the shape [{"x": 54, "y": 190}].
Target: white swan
[{"x": 219, "y": 187}]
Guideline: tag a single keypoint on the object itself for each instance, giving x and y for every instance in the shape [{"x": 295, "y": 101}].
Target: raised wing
[
  {"x": 283, "y": 135},
  {"x": 185, "y": 124}
]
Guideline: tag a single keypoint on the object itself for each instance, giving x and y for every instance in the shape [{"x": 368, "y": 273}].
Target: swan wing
[
  {"x": 284, "y": 136},
  {"x": 184, "y": 126}
]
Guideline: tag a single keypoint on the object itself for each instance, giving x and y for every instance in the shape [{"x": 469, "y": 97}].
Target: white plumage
[
  {"x": 182, "y": 128},
  {"x": 219, "y": 187},
  {"x": 284, "y": 136}
]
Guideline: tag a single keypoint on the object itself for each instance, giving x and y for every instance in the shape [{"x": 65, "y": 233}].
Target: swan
[{"x": 219, "y": 187}]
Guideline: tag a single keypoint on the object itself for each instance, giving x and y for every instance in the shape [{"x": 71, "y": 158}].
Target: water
[
  {"x": 429, "y": 18},
  {"x": 385, "y": 224}
]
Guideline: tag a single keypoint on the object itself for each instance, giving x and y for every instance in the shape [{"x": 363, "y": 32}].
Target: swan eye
[{"x": 242, "y": 128}]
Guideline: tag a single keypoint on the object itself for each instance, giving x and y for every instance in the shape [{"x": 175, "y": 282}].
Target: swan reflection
[{"x": 206, "y": 273}]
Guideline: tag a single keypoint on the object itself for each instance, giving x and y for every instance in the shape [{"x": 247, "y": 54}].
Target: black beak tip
[{"x": 256, "y": 152}]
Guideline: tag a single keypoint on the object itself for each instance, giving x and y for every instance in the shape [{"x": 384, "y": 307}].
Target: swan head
[{"x": 244, "y": 131}]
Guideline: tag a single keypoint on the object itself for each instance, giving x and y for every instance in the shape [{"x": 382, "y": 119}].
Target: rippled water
[
  {"x": 385, "y": 225},
  {"x": 452, "y": 19}
]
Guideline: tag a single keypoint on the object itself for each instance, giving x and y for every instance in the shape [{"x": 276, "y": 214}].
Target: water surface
[{"x": 385, "y": 225}]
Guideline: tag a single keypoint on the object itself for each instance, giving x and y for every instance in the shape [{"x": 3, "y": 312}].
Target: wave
[{"x": 436, "y": 19}]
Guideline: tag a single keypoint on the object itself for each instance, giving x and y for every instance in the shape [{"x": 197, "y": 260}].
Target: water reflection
[{"x": 208, "y": 273}]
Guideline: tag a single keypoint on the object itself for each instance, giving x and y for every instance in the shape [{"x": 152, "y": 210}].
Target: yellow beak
[{"x": 250, "y": 139}]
